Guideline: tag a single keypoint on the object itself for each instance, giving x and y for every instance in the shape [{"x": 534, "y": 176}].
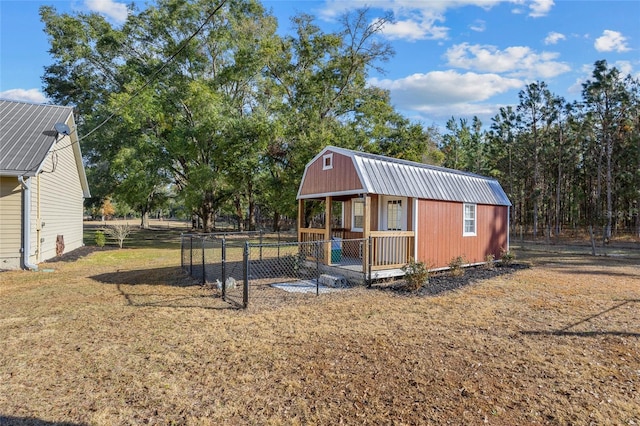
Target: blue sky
[{"x": 453, "y": 58}]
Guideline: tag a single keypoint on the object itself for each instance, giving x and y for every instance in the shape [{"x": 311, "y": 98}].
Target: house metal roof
[
  {"x": 27, "y": 135},
  {"x": 395, "y": 177}
]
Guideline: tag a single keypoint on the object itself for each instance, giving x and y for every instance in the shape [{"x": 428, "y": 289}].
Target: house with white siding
[{"x": 42, "y": 184}]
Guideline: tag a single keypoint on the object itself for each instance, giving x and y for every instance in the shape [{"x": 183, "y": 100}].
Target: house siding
[
  {"x": 61, "y": 202},
  {"x": 441, "y": 228},
  {"x": 10, "y": 223},
  {"x": 341, "y": 177}
]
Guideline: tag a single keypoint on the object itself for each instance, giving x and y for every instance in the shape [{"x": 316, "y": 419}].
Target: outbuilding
[
  {"x": 406, "y": 209},
  {"x": 42, "y": 184}
]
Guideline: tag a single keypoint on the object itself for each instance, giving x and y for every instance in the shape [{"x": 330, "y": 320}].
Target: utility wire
[{"x": 151, "y": 79}]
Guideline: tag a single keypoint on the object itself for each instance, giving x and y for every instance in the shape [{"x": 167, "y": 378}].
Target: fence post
[
  {"x": 191, "y": 255},
  {"x": 224, "y": 268},
  {"x": 260, "y": 239},
  {"x": 245, "y": 260},
  {"x": 182, "y": 251},
  {"x": 318, "y": 251},
  {"x": 369, "y": 261},
  {"x": 204, "y": 269}
]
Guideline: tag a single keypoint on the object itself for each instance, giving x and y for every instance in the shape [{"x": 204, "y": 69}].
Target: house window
[
  {"x": 394, "y": 215},
  {"x": 327, "y": 162},
  {"x": 469, "y": 226},
  {"x": 358, "y": 215}
]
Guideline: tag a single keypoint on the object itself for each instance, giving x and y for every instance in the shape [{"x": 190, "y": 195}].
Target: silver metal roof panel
[
  {"x": 27, "y": 134},
  {"x": 392, "y": 176}
]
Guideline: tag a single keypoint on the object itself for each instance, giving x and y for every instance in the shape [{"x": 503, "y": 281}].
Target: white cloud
[
  {"x": 442, "y": 88},
  {"x": 611, "y": 41},
  {"x": 518, "y": 61},
  {"x": 554, "y": 37},
  {"x": 420, "y": 20},
  {"x": 537, "y": 8},
  {"x": 112, "y": 9},
  {"x": 439, "y": 95},
  {"x": 25, "y": 95},
  {"x": 540, "y": 8},
  {"x": 413, "y": 30},
  {"x": 478, "y": 26}
]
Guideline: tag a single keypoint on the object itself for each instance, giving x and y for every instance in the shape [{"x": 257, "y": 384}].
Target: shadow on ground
[
  {"x": 171, "y": 276},
  {"x": 31, "y": 421},
  {"x": 126, "y": 282},
  {"x": 567, "y": 330}
]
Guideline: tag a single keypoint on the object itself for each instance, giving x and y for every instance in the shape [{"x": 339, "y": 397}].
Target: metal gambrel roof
[
  {"x": 395, "y": 177},
  {"x": 27, "y": 135}
]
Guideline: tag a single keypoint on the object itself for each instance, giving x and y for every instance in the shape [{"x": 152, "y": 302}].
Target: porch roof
[{"x": 391, "y": 176}]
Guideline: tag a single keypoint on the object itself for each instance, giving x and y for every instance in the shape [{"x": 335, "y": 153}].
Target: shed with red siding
[{"x": 439, "y": 213}]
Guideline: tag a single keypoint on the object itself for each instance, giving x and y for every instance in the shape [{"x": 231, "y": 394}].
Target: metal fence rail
[{"x": 244, "y": 265}]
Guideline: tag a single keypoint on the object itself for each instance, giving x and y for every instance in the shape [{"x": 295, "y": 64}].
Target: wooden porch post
[
  {"x": 366, "y": 232},
  {"x": 300, "y": 218},
  {"x": 327, "y": 229}
]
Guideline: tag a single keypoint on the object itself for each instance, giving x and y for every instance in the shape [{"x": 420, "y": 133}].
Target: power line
[{"x": 150, "y": 79}]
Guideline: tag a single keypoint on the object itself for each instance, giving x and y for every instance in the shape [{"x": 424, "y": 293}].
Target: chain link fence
[{"x": 244, "y": 266}]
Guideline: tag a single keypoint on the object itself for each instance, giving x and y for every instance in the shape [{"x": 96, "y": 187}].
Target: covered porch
[{"x": 368, "y": 233}]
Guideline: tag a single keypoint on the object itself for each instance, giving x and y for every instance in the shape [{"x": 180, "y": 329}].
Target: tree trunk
[
  {"x": 239, "y": 214},
  {"x": 251, "y": 220},
  {"x": 207, "y": 211},
  {"x": 144, "y": 222},
  {"x": 276, "y": 221},
  {"x": 609, "y": 184}
]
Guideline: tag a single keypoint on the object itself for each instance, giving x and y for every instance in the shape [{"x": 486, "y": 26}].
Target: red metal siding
[
  {"x": 440, "y": 233},
  {"x": 341, "y": 177}
]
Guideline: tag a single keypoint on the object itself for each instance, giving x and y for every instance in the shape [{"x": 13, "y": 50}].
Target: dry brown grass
[{"x": 122, "y": 337}]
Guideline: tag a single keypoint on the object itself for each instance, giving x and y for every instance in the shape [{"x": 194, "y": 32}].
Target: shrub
[
  {"x": 488, "y": 261},
  {"x": 119, "y": 232},
  {"x": 507, "y": 257},
  {"x": 416, "y": 274},
  {"x": 100, "y": 239},
  {"x": 293, "y": 263},
  {"x": 455, "y": 266}
]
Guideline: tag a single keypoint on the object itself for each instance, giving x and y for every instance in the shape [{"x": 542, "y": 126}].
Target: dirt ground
[{"x": 120, "y": 337}]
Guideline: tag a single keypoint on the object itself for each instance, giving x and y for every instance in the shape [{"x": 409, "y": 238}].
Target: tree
[
  {"x": 607, "y": 102},
  {"x": 315, "y": 83}
]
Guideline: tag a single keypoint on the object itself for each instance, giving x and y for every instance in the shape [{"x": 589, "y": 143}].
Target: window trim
[
  {"x": 399, "y": 214},
  {"x": 466, "y": 233},
  {"x": 327, "y": 165},
  {"x": 355, "y": 201}
]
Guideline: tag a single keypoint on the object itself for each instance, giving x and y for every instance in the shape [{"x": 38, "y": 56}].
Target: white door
[
  {"x": 393, "y": 217},
  {"x": 393, "y": 214}
]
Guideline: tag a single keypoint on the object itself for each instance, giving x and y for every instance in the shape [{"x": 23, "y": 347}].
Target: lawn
[{"x": 123, "y": 337}]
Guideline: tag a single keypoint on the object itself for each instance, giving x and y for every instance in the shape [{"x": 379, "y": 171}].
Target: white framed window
[
  {"x": 469, "y": 223},
  {"x": 394, "y": 215},
  {"x": 327, "y": 161},
  {"x": 357, "y": 208}
]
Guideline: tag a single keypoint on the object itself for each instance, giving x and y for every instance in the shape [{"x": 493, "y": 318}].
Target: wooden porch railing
[{"x": 389, "y": 249}]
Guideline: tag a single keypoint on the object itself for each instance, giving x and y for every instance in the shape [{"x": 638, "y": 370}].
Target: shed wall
[
  {"x": 441, "y": 237},
  {"x": 10, "y": 222},
  {"x": 341, "y": 177}
]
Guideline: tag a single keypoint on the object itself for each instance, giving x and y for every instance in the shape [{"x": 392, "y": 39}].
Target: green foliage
[
  {"x": 416, "y": 274},
  {"x": 100, "y": 239},
  {"x": 234, "y": 118},
  {"x": 456, "y": 266},
  {"x": 292, "y": 263},
  {"x": 507, "y": 257}
]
